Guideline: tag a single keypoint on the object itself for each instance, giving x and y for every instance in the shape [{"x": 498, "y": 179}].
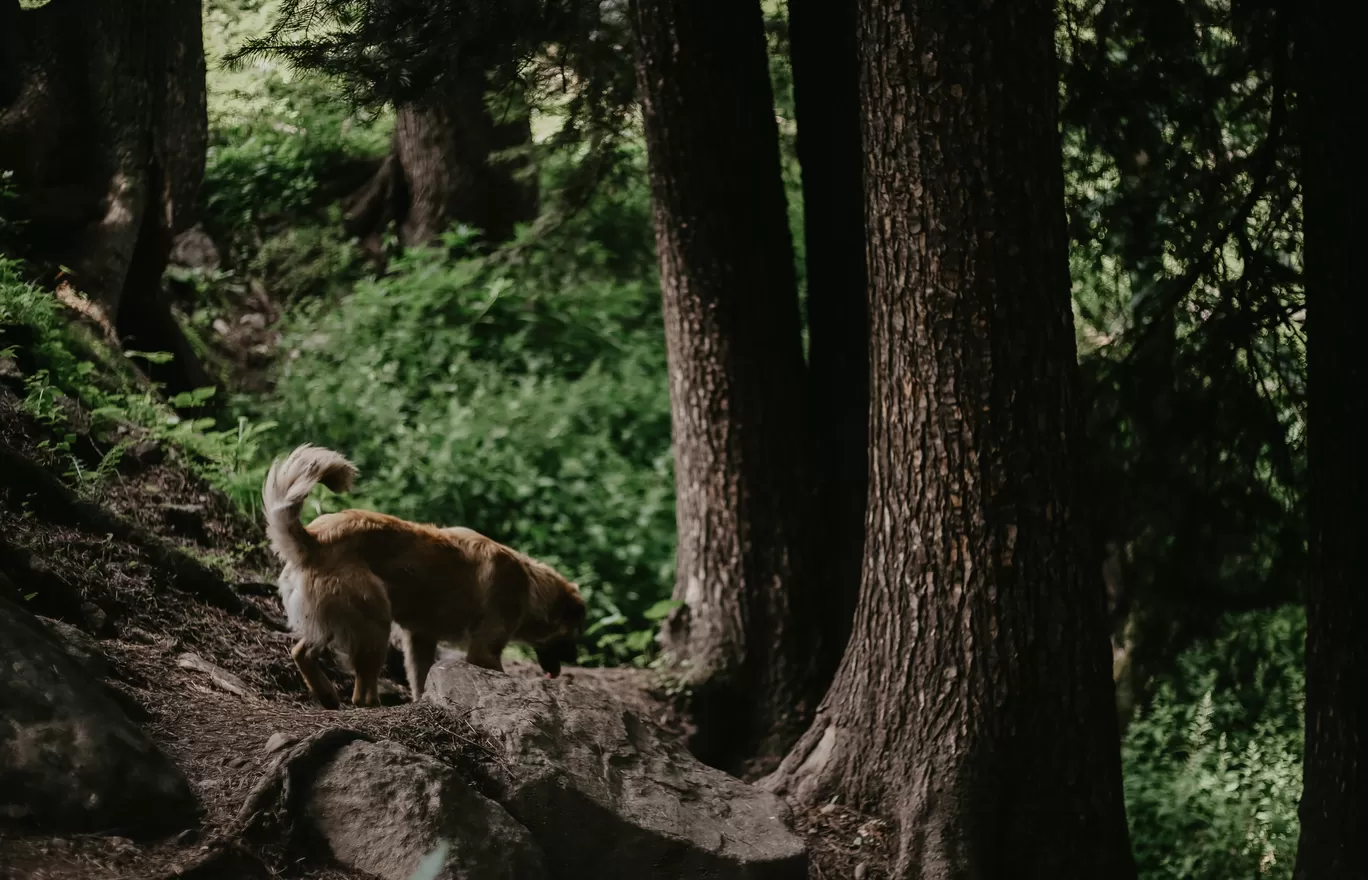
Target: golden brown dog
[{"x": 349, "y": 575}]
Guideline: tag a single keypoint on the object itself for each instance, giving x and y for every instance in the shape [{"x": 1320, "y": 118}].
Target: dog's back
[{"x": 440, "y": 581}]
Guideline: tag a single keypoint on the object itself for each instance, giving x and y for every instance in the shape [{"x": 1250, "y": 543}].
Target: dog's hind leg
[
  {"x": 306, "y": 660},
  {"x": 367, "y": 659},
  {"x": 420, "y": 652}
]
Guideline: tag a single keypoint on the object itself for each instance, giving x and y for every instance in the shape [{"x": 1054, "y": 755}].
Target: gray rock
[
  {"x": 607, "y": 794},
  {"x": 69, "y": 757},
  {"x": 194, "y": 249},
  {"x": 142, "y": 455},
  {"x": 97, "y": 621},
  {"x": 382, "y": 808},
  {"x": 87, "y": 653},
  {"x": 277, "y": 742},
  {"x": 185, "y": 520},
  {"x": 79, "y": 646}
]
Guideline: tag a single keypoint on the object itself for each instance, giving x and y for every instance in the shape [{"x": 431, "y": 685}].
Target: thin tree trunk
[
  {"x": 737, "y": 392},
  {"x": 444, "y": 169},
  {"x": 1334, "y": 806},
  {"x": 105, "y": 129},
  {"x": 974, "y": 704},
  {"x": 826, "y": 77}
]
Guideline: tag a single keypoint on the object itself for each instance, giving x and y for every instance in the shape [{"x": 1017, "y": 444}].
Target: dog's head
[{"x": 566, "y": 620}]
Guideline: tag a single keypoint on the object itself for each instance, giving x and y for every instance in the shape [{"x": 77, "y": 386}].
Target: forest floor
[{"x": 217, "y": 726}]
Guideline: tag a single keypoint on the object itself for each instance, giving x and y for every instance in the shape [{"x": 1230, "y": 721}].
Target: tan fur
[{"x": 350, "y": 576}]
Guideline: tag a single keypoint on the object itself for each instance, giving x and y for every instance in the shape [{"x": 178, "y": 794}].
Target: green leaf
[
  {"x": 661, "y": 610},
  {"x": 152, "y": 357}
]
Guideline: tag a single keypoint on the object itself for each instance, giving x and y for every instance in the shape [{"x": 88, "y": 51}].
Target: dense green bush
[
  {"x": 280, "y": 161},
  {"x": 1213, "y": 765},
  {"x": 280, "y": 142}
]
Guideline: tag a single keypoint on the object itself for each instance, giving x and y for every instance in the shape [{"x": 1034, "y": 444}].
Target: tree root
[{"x": 270, "y": 808}]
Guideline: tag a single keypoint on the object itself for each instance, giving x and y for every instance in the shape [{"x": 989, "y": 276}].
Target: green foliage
[
  {"x": 280, "y": 143},
  {"x": 1184, "y": 220},
  {"x": 75, "y": 384},
  {"x": 1213, "y": 766},
  {"x": 307, "y": 261},
  {"x": 280, "y": 162},
  {"x": 573, "y": 53},
  {"x": 521, "y": 393}
]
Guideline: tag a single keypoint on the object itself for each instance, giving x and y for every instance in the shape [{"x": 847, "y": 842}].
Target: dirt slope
[{"x": 157, "y": 566}]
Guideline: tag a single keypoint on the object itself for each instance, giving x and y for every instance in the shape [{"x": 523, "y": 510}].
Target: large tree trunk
[
  {"x": 826, "y": 77},
  {"x": 737, "y": 392},
  {"x": 105, "y": 130},
  {"x": 974, "y": 702},
  {"x": 444, "y": 168},
  {"x": 1334, "y": 806}
]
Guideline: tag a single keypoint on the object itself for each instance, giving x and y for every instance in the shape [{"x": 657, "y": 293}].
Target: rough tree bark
[
  {"x": 737, "y": 392},
  {"x": 104, "y": 127},
  {"x": 826, "y": 77},
  {"x": 1334, "y": 806},
  {"x": 441, "y": 171},
  {"x": 974, "y": 702}
]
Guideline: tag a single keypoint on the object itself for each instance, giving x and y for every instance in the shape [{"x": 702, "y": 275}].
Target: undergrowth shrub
[
  {"x": 73, "y": 382},
  {"x": 309, "y": 261},
  {"x": 1213, "y": 766}
]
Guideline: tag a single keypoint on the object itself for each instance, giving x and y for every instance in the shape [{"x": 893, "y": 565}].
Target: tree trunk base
[{"x": 441, "y": 170}]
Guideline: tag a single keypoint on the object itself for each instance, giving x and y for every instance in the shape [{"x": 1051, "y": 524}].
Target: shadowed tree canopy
[
  {"x": 457, "y": 156},
  {"x": 1185, "y": 218}
]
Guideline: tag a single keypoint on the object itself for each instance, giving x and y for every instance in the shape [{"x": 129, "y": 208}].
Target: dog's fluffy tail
[{"x": 288, "y": 483}]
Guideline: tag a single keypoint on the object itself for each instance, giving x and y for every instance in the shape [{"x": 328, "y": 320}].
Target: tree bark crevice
[{"x": 826, "y": 77}]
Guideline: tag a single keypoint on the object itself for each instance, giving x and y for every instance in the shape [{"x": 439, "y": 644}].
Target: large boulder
[
  {"x": 69, "y": 757},
  {"x": 608, "y": 795},
  {"x": 382, "y": 808}
]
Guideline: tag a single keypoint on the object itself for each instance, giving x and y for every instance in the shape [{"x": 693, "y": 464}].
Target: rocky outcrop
[
  {"x": 70, "y": 759},
  {"x": 382, "y": 809},
  {"x": 607, "y": 795}
]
